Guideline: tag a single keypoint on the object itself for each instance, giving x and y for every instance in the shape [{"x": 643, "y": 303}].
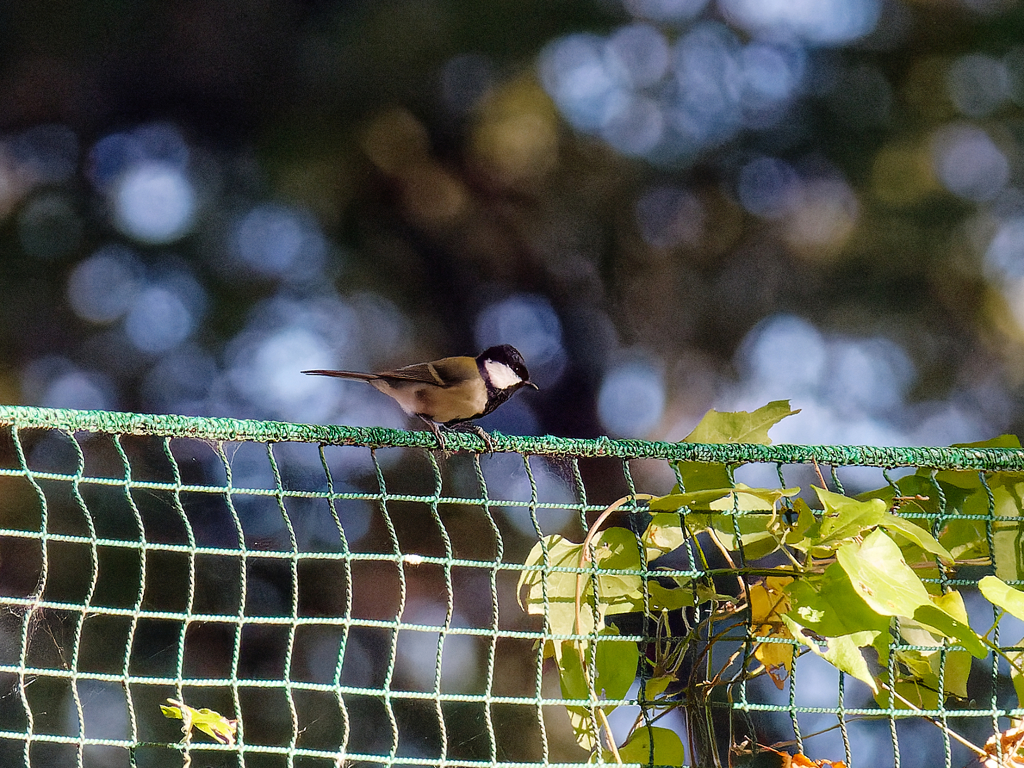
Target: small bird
[{"x": 453, "y": 390}]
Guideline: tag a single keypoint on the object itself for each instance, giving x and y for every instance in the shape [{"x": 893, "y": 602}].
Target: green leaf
[
  {"x": 885, "y": 582},
  {"x": 614, "y": 549},
  {"x": 1016, "y": 659},
  {"x": 699, "y": 476},
  {"x": 741, "y": 498},
  {"x": 924, "y": 495},
  {"x": 706, "y": 593},
  {"x": 670, "y": 599},
  {"x": 917, "y": 535},
  {"x": 804, "y": 520},
  {"x": 921, "y": 685},
  {"x": 560, "y": 552},
  {"x": 572, "y": 676},
  {"x": 210, "y": 722},
  {"x": 1007, "y": 529},
  {"x": 881, "y": 577},
  {"x": 935, "y": 617},
  {"x": 616, "y": 666},
  {"x": 583, "y": 725},
  {"x": 844, "y": 519},
  {"x": 924, "y": 665},
  {"x": 756, "y": 534},
  {"x": 921, "y": 694},
  {"x": 909, "y": 529},
  {"x": 650, "y": 745},
  {"x": 1002, "y": 595},
  {"x": 968, "y": 538},
  {"x": 828, "y": 606},
  {"x": 845, "y": 652},
  {"x": 1003, "y": 441},
  {"x": 759, "y": 527},
  {"x": 737, "y": 427},
  {"x": 560, "y": 587},
  {"x": 663, "y": 534},
  {"x": 965, "y": 539},
  {"x": 657, "y": 686},
  {"x": 740, "y": 426}
]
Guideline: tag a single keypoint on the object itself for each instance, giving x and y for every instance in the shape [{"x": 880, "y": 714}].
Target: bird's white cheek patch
[{"x": 501, "y": 375}]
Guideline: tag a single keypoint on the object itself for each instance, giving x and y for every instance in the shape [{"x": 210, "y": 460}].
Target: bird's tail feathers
[{"x": 344, "y": 375}]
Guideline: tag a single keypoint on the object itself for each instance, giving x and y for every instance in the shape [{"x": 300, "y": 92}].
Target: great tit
[{"x": 453, "y": 390}]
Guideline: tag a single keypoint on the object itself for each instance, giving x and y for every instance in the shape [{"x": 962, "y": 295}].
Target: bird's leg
[
  {"x": 436, "y": 429},
  {"x": 477, "y": 430},
  {"x": 484, "y": 436}
]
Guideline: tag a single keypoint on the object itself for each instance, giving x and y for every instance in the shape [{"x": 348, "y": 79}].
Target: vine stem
[
  {"x": 589, "y": 540},
  {"x": 970, "y": 745},
  {"x": 585, "y": 558}
]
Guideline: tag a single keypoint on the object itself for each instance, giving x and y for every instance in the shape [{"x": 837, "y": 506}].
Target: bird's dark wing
[
  {"x": 421, "y": 373},
  {"x": 440, "y": 373}
]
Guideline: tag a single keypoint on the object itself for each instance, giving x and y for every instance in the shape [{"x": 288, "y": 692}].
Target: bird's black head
[{"x": 508, "y": 356}]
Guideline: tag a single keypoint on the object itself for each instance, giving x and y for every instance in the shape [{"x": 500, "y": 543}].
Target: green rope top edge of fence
[
  {"x": 1007, "y": 460},
  {"x": 236, "y": 430}
]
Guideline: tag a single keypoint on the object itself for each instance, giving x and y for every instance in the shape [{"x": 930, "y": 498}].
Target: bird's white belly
[{"x": 461, "y": 401}]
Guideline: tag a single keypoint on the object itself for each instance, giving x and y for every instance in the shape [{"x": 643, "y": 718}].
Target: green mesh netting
[{"x": 349, "y": 595}]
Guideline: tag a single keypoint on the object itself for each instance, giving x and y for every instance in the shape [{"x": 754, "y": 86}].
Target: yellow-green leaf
[
  {"x": 671, "y": 599},
  {"x": 552, "y": 593},
  {"x": 828, "y": 605},
  {"x": 1001, "y": 594},
  {"x": 804, "y": 520},
  {"x": 740, "y": 426},
  {"x": 650, "y": 745},
  {"x": 583, "y": 725},
  {"x": 1016, "y": 659},
  {"x": 657, "y": 686},
  {"x": 663, "y": 534},
  {"x": 844, "y": 652},
  {"x": 736, "y": 427},
  {"x": 885, "y": 582},
  {"x": 213, "y": 724},
  {"x": 699, "y": 476},
  {"x": 616, "y": 665},
  {"x": 925, "y": 664},
  {"x": 740, "y": 498}
]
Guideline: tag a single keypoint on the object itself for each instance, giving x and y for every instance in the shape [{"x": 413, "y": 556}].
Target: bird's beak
[{"x": 531, "y": 384}]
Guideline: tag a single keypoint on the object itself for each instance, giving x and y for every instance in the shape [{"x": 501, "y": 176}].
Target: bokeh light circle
[
  {"x": 637, "y": 55},
  {"x": 279, "y": 241},
  {"x": 631, "y": 400},
  {"x": 768, "y": 187},
  {"x": 968, "y": 162},
  {"x": 159, "y": 319},
  {"x": 154, "y": 202},
  {"x": 819, "y": 22},
  {"x": 102, "y": 287}
]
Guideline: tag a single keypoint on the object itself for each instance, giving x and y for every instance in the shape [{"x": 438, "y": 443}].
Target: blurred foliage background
[{"x": 667, "y": 205}]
